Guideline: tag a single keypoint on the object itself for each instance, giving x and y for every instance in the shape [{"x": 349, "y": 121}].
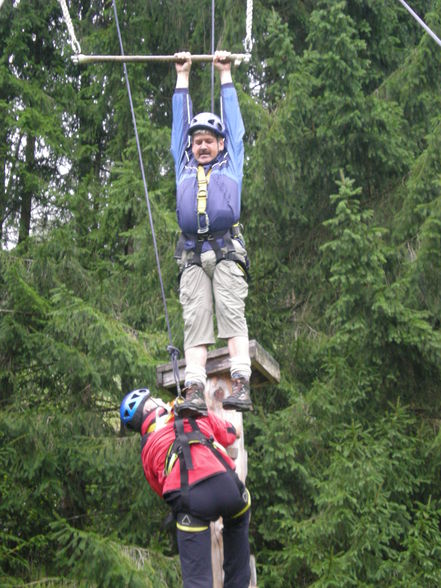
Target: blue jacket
[{"x": 224, "y": 188}]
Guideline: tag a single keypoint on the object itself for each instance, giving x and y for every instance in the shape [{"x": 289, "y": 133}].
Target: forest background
[{"x": 342, "y": 218}]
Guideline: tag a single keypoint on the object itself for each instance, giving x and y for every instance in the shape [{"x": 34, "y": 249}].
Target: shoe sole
[
  {"x": 190, "y": 413},
  {"x": 192, "y": 409},
  {"x": 245, "y": 407}
]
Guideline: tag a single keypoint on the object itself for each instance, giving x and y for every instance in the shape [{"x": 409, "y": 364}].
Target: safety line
[
  {"x": 421, "y": 22},
  {"x": 173, "y": 351},
  {"x": 212, "y": 53},
  {"x": 73, "y": 40},
  {"x": 249, "y": 24}
]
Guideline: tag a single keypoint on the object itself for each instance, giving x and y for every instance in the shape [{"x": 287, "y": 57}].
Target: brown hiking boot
[
  {"x": 240, "y": 395},
  {"x": 194, "y": 402}
]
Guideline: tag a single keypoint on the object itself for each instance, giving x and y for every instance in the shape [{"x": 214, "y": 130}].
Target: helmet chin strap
[
  {"x": 159, "y": 404},
  {"x": 162, "y": 420}
]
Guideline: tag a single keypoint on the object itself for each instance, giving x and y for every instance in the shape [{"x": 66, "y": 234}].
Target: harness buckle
[{"x": 203, "y": 230}]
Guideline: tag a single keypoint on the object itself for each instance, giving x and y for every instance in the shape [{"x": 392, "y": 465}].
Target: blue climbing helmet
[
  {"x": 132, "y": 407},
  {"x": 207, "y": 121}
]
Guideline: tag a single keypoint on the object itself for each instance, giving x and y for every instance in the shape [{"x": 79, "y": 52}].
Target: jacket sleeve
[
  {"x": 182, "y": 110},
  {"x": 152, "y": 478},
  {"x": 224, "y": 431},
  {"x": 235, "y": 130}
]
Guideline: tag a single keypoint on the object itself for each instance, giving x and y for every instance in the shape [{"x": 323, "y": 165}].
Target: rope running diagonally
[
  {"x": 74, "y": 41},
  {"x": 421, "y": 22},
  {"x": 173, "y": 351},
  {"x": 212, "y": 53}
]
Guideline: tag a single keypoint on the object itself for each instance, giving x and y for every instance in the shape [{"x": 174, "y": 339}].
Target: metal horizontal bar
[{"x": 80, "y": 58}]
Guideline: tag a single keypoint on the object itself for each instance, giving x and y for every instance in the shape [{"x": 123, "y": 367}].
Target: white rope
[
  {"x": 74, "y": 42},
  {"x": 421, "y": 22},
  {"x": 248, "y": 44}
]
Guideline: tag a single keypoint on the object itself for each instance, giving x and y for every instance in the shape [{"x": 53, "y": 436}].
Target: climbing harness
[
  {"x": 188, "y": 522},
  {"x": 203, "y": 220},
  {"x": 221, "y": 243},
  {"x": 184, "y": 440},
  {"x": 180, "y": 450}
]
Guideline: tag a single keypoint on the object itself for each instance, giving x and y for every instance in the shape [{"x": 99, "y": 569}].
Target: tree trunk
[{"x": 28, "y": 191}]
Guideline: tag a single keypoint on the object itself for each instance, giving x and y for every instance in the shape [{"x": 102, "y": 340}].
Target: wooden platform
[{"x": 265, "y": 368}]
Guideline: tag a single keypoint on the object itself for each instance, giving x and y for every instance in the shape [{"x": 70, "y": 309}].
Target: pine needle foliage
[
  {"x": 100, "y": 561},
  {"x": 345, "y": 459},
  {"x": 341, "y": 213}
]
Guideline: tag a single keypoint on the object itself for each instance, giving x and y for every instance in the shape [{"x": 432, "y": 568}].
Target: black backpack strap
[
  {"x": 183, "y": 450},
  {"x": 183, "y": 443}
]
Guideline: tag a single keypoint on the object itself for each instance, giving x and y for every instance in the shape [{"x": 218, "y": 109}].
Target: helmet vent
[{"x": 131, "y": 407}]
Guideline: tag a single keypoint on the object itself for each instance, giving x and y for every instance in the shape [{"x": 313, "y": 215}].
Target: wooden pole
[
  {"x": 218, "y": 388},
  {"x": 264, "y": 370},
  {"x": 236, "y": 58}
]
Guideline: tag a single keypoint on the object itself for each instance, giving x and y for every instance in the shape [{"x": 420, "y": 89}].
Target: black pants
[{"x": 219, "y": 496}]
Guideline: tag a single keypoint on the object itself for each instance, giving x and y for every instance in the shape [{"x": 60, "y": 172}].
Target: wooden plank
[
  {"x": 265, "y": 368},
  {"x": 264, "y": 363}
]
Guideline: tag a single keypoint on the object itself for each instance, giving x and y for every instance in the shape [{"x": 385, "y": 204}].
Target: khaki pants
[{"x": 225, "y": 282}]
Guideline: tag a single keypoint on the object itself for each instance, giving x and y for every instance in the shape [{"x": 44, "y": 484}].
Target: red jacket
[{"x": 205, "y": 464}]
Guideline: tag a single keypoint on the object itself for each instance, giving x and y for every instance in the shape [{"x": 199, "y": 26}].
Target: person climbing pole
[
  {"x": 186, "y": 464},
  {"x": 208, "y": 153}
]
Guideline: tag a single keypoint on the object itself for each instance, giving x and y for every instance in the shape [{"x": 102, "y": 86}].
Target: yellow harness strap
[
  {"x": 247, "y": 498},
  {"x": 202, "y": 197},
  {"x": 166, "y": 418}
]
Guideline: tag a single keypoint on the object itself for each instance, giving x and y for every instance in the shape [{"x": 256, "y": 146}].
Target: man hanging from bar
[{"x": 208, "y": 153}]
